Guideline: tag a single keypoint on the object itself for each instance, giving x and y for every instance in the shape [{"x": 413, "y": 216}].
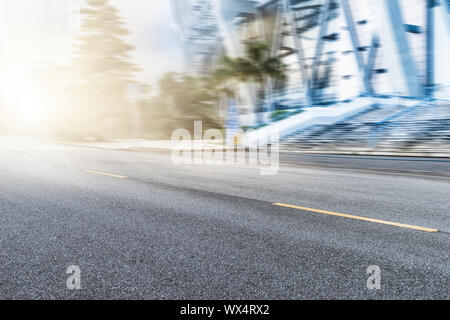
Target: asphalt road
[{"x": 140, "y": 227}]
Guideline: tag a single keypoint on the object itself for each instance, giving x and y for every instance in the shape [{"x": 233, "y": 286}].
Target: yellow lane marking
[
  {"x": 106, "y": 174},
  {"x": 349, "y": 216}
]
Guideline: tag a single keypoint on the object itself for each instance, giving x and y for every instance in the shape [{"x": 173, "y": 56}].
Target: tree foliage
[
  {"x": 183, "y": 99},
  {"x": 102, "y": 70},
  {"x": 257, "y": 65},
  {"x": 100, "y": 51}
]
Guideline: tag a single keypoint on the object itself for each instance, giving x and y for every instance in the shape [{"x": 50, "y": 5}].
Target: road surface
[{"x": 140, "y": 227}]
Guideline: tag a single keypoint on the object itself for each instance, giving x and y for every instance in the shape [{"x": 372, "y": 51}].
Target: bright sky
[{"x": 39, "y": 30}]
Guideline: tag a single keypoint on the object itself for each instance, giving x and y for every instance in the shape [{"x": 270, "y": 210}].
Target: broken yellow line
[
  {"x": 106, "y": 174},
  {"x": 349, "y": 216}
]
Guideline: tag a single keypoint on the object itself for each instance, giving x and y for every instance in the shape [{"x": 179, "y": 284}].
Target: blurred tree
[
  {"x": 222, "y": 90},
  {"x": 182, "y": 99},
  {"x": 256, "y": 66},
  {"x": 102, "y": 69}
]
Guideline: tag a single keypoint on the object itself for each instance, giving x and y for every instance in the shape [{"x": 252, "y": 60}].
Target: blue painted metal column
[
  {"x": 287, "y": 4},
  {"x": 429, "y": 39},
  {"x": 407, "y": 65},
  {"x": 368, "y": 71},
  {"x": 365, "y": 74},
  {"x": 319, "y": 46}
]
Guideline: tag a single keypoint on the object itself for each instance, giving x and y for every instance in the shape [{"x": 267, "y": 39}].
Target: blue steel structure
[
  {"x": 335, "y": 49},
  {"x": 407, "y": 65},
  {"x": 429, "y": 82},
  {"x": 199, "y": 34}
]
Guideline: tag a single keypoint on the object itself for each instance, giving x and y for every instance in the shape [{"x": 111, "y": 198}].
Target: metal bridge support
[
  {"x": 287, "y": 5},
  {"x": 429, "y": 45},
  {"x": 365, "y": 72},
  {"x": 319, "y": 46},
  {"x": 409, "y": 74}
]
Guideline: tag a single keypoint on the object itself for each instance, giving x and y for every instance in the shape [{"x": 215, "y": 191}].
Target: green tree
[
  {"x": 102, "y": 69},
  {"x": 182, "y": 99},
  {"x": 256, "y": 66}
]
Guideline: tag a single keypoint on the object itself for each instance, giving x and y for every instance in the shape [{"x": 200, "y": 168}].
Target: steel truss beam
[
  {"x": 319, "y": 45},
  {"x": 368, "y": 70},
  {"x": 287, "y": 4},
  {"x": 429, "y": 45},
  {"x": 407, "y": 65},
  {"x": 365, "y": 69}
]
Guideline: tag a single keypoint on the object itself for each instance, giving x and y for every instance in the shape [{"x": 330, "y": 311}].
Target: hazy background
[
  {"x": 40, "y": 31},
  {"x": 70, "y": 75}
]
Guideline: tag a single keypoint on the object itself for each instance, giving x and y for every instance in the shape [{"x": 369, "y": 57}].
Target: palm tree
[{"x": 256, "y": 66}]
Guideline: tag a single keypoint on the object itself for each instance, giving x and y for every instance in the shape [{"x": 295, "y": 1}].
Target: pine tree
[{"x": 102, "y": 68}]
